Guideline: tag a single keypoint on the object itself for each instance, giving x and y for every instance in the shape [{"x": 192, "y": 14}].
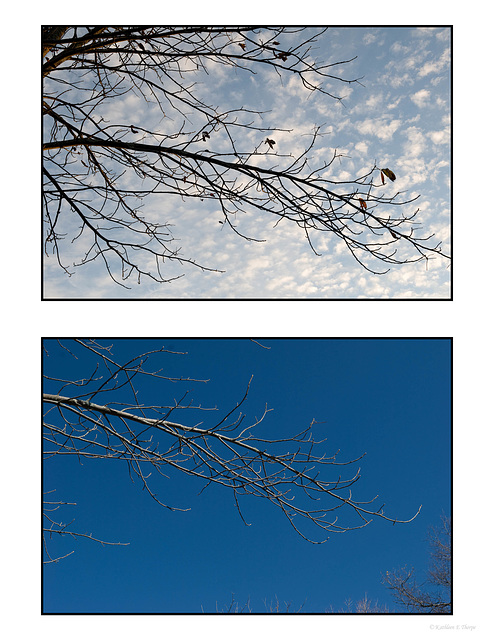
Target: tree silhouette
[
  {"x": 93, "y": 412},
  {"x": 434, "y": 595},
  {"x": 98, "y": 171}
]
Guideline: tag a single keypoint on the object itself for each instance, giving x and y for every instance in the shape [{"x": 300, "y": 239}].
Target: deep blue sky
[{"x": 389, "y": 398}]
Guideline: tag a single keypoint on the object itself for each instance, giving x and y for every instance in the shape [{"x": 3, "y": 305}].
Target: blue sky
[
  {"x": 389, "y": 398},
  {"x": 400, "y": 118}
]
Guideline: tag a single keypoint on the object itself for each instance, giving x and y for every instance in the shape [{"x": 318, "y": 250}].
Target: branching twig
[
  {"x": 88, "y": 160},
  {"x": 291, "y": 472}
]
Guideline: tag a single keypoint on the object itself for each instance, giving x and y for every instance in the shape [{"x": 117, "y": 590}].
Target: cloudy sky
[{"x": 398, "y": 117}]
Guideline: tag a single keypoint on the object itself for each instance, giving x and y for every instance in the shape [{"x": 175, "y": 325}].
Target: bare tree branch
[
  {"x": 52, "y": 527},
  {"x": 291, "y": 472},
  {"x": 98, "y": 172},
  {"x": 434, "y": 595}
]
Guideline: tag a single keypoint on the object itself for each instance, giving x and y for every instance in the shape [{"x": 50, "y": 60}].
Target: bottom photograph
[{"x": 246, "y": 476}]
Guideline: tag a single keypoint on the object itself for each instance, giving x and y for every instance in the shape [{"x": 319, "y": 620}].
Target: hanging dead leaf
[
  {"x": 270, "y": 143},
  {"x": 383, "y": 177},
  {"x": 363, "y": 203},
  {"x": 389, "y": 173},
  {"x": 242, "y": 45}
]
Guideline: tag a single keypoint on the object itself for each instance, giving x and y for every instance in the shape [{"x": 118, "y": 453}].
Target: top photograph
[{"x": 246, "y": 163}]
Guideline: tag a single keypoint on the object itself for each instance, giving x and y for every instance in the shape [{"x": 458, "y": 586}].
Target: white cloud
[
  {"x": 374, "y": 101},
  {"x": 421, "y": 98},
  {"x": 369, "y": 38},
  {"x": 379, "y": 127},
  {"x": 443, "y": 35},
  {"x": 435, "y": 66},
  {"x": 361, "y": 147},
  {"x": 440, "y": 137},
  {"x": 395, "y": 103},
  {"x": 399, "y": 80},
  {"x": 430, "y": 67},
  {"x": 415, "y": 141},
  {"x": 398, "y": 48}
]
